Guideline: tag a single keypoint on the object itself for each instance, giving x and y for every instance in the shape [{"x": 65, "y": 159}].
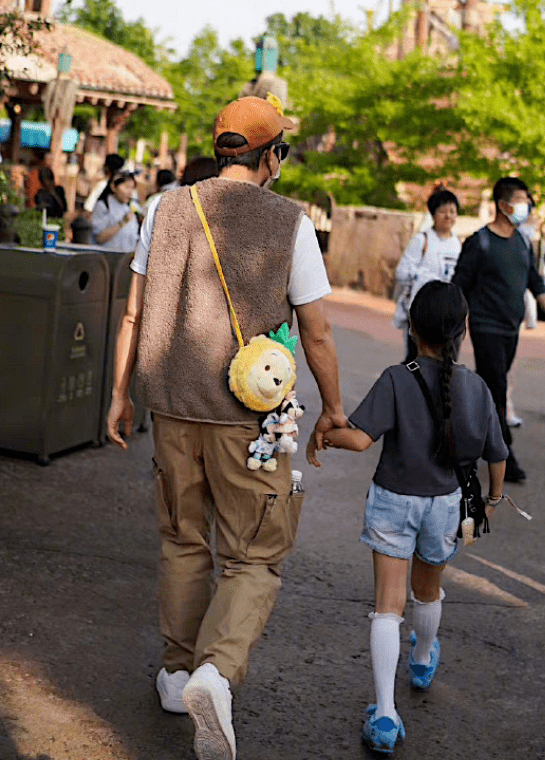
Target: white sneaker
[
  {"x": 207, "y": 697},
  {"x": 170, "y": 687}
]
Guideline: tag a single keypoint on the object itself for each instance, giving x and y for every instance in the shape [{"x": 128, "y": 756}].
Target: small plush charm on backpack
[{"x": 468, "y": 531}]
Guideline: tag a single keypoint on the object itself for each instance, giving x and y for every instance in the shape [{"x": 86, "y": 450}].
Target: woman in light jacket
[
  {"x": 430, "y": 255},
  {"x": 115, "y": 224}
]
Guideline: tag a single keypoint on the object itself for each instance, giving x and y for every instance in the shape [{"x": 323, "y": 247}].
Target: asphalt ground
[{"x": 79, "y": 645}]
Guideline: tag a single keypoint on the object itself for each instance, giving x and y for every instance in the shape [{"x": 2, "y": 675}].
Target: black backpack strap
[
  {"x": 414, "y": 369},
  {"x": 527, "y": 243}
]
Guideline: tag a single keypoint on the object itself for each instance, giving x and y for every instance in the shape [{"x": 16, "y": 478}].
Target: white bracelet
[{"x": 493, "y": 501}]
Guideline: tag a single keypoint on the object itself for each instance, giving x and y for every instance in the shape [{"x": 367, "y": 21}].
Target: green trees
[
  {"x": 500, "y": 99},
  {"x": 103, "y": 17},
  {"x": 475, "y": 111},
  {"x": 204, "y": 81},
  {"x": 346, "y": 83}
]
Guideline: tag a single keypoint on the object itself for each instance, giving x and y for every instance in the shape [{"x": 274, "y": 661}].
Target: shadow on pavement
[{"x": 79, "y": 641}]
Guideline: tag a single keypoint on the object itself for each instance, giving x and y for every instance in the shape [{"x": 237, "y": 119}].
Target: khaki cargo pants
[{"x": 200, "y": 478}]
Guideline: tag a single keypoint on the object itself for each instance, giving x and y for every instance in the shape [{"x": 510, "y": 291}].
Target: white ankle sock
[
  {"x": 426, "y": 619},
  {"x": 384, "y": 657}
]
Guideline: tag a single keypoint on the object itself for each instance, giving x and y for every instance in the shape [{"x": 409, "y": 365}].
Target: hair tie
[{"x": 455, "y": 332}]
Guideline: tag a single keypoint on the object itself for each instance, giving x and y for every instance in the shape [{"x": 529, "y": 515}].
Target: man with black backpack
[{"x": 495, "y": 268}]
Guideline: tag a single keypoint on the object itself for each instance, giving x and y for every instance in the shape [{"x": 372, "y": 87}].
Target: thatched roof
[{"x": 99, "y": 66}]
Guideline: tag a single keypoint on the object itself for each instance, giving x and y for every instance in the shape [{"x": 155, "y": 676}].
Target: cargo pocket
[
  {"x": 276, "y": 529},
  {"x": 166, "y": 520}
]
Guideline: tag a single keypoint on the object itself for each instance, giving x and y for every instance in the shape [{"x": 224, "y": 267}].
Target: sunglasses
[{"x": 281, "y": 150}]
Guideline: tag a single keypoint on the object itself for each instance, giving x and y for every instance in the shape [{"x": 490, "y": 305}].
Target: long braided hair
[{"x": 438, "y": 316}]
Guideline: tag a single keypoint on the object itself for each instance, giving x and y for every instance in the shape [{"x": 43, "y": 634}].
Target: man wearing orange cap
[{"x": 178, "y": 331}]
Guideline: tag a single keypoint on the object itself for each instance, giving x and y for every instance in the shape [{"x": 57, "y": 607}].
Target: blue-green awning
[{"x": 37, "y": 134}]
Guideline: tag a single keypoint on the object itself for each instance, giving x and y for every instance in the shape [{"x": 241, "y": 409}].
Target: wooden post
[
  {"x": 112, "y": 139},
  {"x": 116, "y": 118},
  {"x": 422, "y": 29},
  {"x": 55, "y": 150},
  {"x": 181, "y": 156},
  {"x": 15, "y": 113},
  {"x": 70, "y": 179},
  {"x": 164, "y": 163}
]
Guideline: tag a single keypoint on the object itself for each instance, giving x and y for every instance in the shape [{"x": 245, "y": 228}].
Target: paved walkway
[
  {"x": 358, "y": 310},
  {"x": 79, "y": 644}
]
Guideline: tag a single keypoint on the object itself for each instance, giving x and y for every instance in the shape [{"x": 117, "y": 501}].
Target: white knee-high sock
[
  {"x": 426, "y": 619},
  {"x": 384, "y": 657}
]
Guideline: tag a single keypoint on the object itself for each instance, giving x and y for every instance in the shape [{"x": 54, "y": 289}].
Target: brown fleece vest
[{"x": 186, "y": 338}]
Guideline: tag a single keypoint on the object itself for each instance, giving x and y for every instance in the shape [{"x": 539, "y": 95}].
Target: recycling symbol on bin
[{"x": 79, "y": 332}]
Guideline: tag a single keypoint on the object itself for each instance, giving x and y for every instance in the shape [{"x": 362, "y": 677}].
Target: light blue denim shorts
[{"x": 401, "y": 525}]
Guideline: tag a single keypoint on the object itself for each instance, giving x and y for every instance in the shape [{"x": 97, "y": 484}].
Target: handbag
[{"x": 472, "y": 505}]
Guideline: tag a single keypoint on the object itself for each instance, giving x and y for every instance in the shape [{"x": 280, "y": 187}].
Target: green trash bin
[
  {"x": 120, "y": 282},
  {"x": 52, "y": 339}
]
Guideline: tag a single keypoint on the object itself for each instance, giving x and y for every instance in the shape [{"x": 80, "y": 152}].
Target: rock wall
[{"x": 366, "y": 243}]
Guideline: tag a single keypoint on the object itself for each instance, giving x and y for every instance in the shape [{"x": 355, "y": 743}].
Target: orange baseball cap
[{"x": 257, "y": 120}]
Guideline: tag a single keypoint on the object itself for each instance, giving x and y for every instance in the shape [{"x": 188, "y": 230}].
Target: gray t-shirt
[{"x": 395, "y": 407}]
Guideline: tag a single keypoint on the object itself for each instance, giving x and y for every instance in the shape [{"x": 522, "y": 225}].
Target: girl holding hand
[{"x": 413, "y": 505}]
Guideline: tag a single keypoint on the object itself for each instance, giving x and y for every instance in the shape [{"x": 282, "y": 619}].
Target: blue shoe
[
  {"x": 423, "y": 675},
  {"x": 381, "y": 734}
]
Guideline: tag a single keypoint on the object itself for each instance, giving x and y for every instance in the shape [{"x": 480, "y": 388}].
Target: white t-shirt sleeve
[
  {"x": 139, "y": 263},
  {"x": 308, "y": 279}
]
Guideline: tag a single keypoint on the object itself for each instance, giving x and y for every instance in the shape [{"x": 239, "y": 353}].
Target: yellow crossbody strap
[{"x": 202, "y": 217}]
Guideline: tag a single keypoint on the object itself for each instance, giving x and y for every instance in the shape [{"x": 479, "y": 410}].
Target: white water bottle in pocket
[{"x": 297, "y": 482}]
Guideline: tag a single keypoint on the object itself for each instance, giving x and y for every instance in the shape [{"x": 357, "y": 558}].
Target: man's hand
[
  {"x": 326, "y": 422},
  {"x": 121, "y": 410}
]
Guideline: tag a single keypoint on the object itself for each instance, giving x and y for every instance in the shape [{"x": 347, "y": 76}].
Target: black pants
[{"x": 494, "y": 356}]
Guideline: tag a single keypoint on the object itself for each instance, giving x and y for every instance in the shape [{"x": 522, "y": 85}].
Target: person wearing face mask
[
  {"x": 495, "y": 268},
  {"x": 177, "y": 331}
]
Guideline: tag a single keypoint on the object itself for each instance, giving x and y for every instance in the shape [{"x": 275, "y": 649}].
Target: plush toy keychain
[{"x": 277, "y": 433}]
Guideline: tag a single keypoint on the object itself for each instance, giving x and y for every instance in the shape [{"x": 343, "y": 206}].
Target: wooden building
[{"x": 71, "y": 65}]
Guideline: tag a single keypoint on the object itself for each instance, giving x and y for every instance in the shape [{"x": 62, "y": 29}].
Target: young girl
[{"x": 413, "y": 505}]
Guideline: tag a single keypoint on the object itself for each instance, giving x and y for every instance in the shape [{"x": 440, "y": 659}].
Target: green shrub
[{"x": 28, "y": 225}]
